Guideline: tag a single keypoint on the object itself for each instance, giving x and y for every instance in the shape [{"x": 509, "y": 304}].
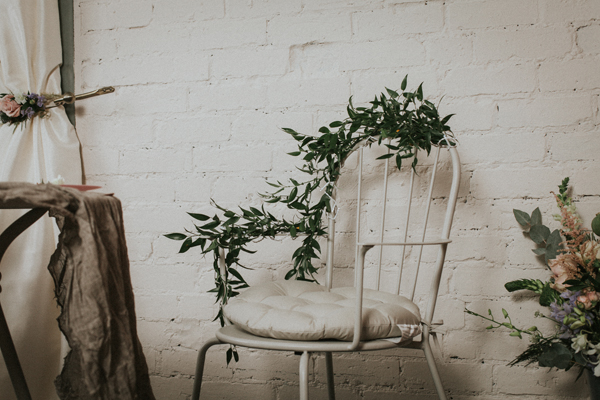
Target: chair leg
[
  {"x": 330, "y": 382},
  {"x": 304, "y": 375},
  {"x": 200, "y": 367},
  {"x": 433, "y": 369}
]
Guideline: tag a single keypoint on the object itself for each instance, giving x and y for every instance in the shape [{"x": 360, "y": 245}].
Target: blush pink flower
[
  {"x": 588, "y": 298},
  {"x": 563, "y": 268},
  {"x": 9, "y": 106}
]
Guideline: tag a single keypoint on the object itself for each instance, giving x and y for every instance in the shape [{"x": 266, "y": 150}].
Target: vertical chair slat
[
  {"x": 358, "y": 203},
  {"x": 425, "y": 220},
  {"x": 383, "y": 209},
  {"x": 407, "y": 221}
]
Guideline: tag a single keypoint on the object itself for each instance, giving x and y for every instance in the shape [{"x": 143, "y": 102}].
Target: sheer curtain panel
[{"x": 30, "y": 58}]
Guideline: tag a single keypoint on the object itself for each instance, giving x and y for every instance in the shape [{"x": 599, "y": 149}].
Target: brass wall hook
[{"x": 69, "y": 98}]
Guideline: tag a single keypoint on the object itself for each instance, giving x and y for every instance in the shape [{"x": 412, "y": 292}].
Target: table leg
[
  {"x": 7, "y": 346},
  {"x": 12, "y": 361}
]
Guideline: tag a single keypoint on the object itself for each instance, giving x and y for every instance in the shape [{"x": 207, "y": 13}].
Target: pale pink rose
[
  {"x": 583, "y": 299},
  {"x": 588, "y": 298},
  {"x": 563, "y": 268},
  {"x": 9, "y": 106}
]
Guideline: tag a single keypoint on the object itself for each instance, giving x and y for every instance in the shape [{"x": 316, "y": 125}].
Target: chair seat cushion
[{"x": 299, "y": 310}]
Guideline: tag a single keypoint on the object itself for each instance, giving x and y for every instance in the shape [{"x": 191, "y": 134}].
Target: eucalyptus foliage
[{"x": 404, "y": 119}]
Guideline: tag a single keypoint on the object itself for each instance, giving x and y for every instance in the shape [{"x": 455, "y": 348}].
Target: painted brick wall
[{"x": 204, "y": 85}]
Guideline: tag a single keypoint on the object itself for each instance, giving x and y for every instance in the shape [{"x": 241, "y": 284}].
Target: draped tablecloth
[{"x": 90, "y": 268}]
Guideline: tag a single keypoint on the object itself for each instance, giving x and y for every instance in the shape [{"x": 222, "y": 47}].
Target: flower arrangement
[
  {"x": 405, "y": 118},
  {"x": 572, "y": 293},
  {"x": 19, "y": 108}
]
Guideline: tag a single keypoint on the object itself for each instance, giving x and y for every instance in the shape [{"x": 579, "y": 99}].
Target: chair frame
[{"x": 231, "y": 335}]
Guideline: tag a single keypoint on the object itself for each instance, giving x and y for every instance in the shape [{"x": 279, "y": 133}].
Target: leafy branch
[{"x": 404, "y": 119}]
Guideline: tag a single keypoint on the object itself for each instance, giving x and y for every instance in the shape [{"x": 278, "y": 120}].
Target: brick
[
  {"x": 333, "y": 58},
  {"x": 104, "y": 131},
  {"x": 464, "y": 377},
  {"x": 139, "y": 249},
  {"x": 572, "y": 75},
  {"x": 164, "y": 278},
  {"x": 112, "y": 15},
  {"x": 156, "y": 306},
  {"x": 522, "y": 43},
  {"x": 530, "y": 380},
  {"x": 193, "y": 128},
  {"x": 574, "y": 146},
  {"x": 135, "y": 101},
  {"x": 400, "y": 20},
  {"x": 166, "y": 40},
  {"x": 261, "y": 8},
  {"x": 471, "y": 114},
  {"x": 100, "y": 161},
  {"x": 487, "y": 14},
  {"x": 267, "y": 125},
  {"x": 221, "y": 33},
  {"x": 381, "y": 371},
  {"x": 248, "y": 62},
  {"x": 299, "y": 93},
  {"x": 158, "y": 68},
  {"x": 187, "y": 11},
  {"x": 308, "y": 27},
  {"x": 137, "y": 161},
  {"x": 153, "y": 219},
  {"x": 176, "y": 388},
  {"x": 563, "y": 11},
  {"x": 544, "y": 111},
  {"x": 476, "y": 248},
  {"x": 229, "y": 95},
  {"x": 471, "y": 81},
  {"x": 588, "y": 38},
  {"x": 232, "y": 158},
  {"x": 514, "y": 183},
  {"x": 456, "y": 49},
  {"x": 483, "y": 149}
]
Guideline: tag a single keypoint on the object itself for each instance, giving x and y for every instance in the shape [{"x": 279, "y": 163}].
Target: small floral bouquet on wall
[
  {"x": 572, "y": 293},
  {"x": 19, "y": 108}
]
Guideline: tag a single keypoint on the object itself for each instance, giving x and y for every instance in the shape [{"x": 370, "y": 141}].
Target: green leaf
[
  {"x": 211, "y": 225},
  {"x": 539, "y": 252},
  {"x": 185, "y": 246},
  {"x": 548, "y": 296},
  {"x": 557, "y": 355},
  {"x": 199, "y": 217},
  {"x": 393, "y": 94},
  {"x": 536, "y": 217},
  {"x": 176, "y": 236},
  {"x": 522, "y": 217},
  {"x": 404, "y": 81},
  {"x": 294, "y": 153},
  {"x": 539, "y": 233}
]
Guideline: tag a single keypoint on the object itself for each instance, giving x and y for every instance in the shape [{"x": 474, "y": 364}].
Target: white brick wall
[{"x": 204, "y": 85}]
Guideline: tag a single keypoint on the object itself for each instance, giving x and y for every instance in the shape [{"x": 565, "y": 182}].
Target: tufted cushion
[{"x": 298, "y": 310}]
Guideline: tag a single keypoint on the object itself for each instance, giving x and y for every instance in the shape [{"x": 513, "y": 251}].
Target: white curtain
[{"x": 30, "y": 57}]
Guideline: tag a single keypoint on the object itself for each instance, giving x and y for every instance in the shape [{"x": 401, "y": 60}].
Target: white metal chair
[{"x": 410, "y": 240}]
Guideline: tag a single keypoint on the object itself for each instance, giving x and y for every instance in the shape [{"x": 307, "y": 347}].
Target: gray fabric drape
[{"x": 90, "y": 269}]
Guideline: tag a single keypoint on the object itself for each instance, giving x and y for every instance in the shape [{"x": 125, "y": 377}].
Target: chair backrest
[{"x": 405, "y": 216}]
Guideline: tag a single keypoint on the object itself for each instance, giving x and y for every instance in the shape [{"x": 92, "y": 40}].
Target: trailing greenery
[{"x": 404, "y": 119}]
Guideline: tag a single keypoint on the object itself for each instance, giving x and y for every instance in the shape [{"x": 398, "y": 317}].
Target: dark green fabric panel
[{"x": 67, "y": 72}]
